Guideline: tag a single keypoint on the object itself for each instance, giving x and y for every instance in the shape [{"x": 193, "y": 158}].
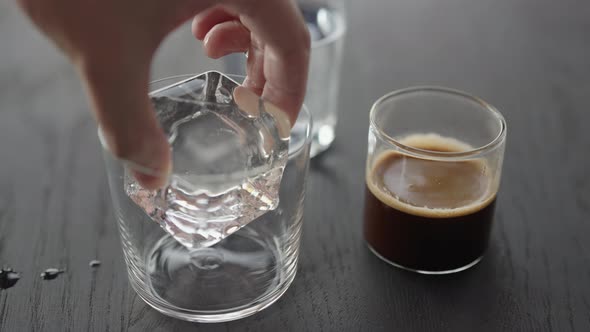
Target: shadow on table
[{"x": 480, "y": 297}]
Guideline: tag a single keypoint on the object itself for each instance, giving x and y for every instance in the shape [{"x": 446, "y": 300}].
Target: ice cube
[{"x": 229, "y": 150}]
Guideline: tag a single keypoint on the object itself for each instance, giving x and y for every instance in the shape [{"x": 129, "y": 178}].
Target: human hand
[{"x": 112, "y": 43}]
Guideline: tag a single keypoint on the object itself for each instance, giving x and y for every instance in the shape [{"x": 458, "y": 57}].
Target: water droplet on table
[
  {"x": 8, "y": 278},
  {"x": 51, "y": 273},
  {"x": 94, "y": 263}
]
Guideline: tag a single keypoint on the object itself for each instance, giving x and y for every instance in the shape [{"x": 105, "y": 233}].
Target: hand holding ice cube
[{"x": 112, "y": 42}]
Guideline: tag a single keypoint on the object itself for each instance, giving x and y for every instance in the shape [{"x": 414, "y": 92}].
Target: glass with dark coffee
[{"x": 433, "y": 171}]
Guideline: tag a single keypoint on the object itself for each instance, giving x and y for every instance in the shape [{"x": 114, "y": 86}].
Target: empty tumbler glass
[
  {"x": 190, "y": 267},
  {"x": 326, "y": 22}
]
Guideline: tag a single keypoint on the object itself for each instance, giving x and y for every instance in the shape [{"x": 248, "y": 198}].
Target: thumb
[{"x": 118, "y": 91}]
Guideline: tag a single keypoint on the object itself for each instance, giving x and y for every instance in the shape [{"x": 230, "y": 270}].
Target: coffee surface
[{"x": 431, "y": 188}]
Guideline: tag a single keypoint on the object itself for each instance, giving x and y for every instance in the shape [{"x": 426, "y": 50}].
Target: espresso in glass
[
  {"x": 429, "y": 215},
  {"x": 433, "y": 171}
]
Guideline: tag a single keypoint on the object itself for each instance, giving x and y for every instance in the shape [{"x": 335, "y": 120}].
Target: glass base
[
  {"x": 235, "y": 278},
  {"x": 459, "y": 269},
  {"x": 321, "y": 139}
]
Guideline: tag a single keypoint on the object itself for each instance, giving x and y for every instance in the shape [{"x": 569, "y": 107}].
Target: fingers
[
  {"x": 119, "y": 93},
  {"x": 278, "y": 23},
  {"x": 207, "y": 19},
  {"x": 225, "y": 38},
  {"x": 278, "y": 58}
]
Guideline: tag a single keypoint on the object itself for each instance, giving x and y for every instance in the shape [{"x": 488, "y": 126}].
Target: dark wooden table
[{"x": 530, "y": 58}]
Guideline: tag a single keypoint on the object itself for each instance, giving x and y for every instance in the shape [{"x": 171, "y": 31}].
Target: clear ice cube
[{"x": 229, "y": 150}]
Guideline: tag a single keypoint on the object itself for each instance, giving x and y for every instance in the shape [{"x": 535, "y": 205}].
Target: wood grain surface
[{"x": 530, "y": 58}]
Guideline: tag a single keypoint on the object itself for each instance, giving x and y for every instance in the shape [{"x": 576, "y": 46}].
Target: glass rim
[
  {"x": 437, "y": 155},
  {"x": 303, "y": 110}
]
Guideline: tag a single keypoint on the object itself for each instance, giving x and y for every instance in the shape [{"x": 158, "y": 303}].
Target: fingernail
[
  {"x": 247, "y": 101},
  {"x": 281, "y": 117},
  {"x": 145, "y": 170},
  {"x": 150, "y": 163},
  {"x": 250, "y": 103},
  {"x": 149, "y": 177},
  {"x": 149, "y": 181}
]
